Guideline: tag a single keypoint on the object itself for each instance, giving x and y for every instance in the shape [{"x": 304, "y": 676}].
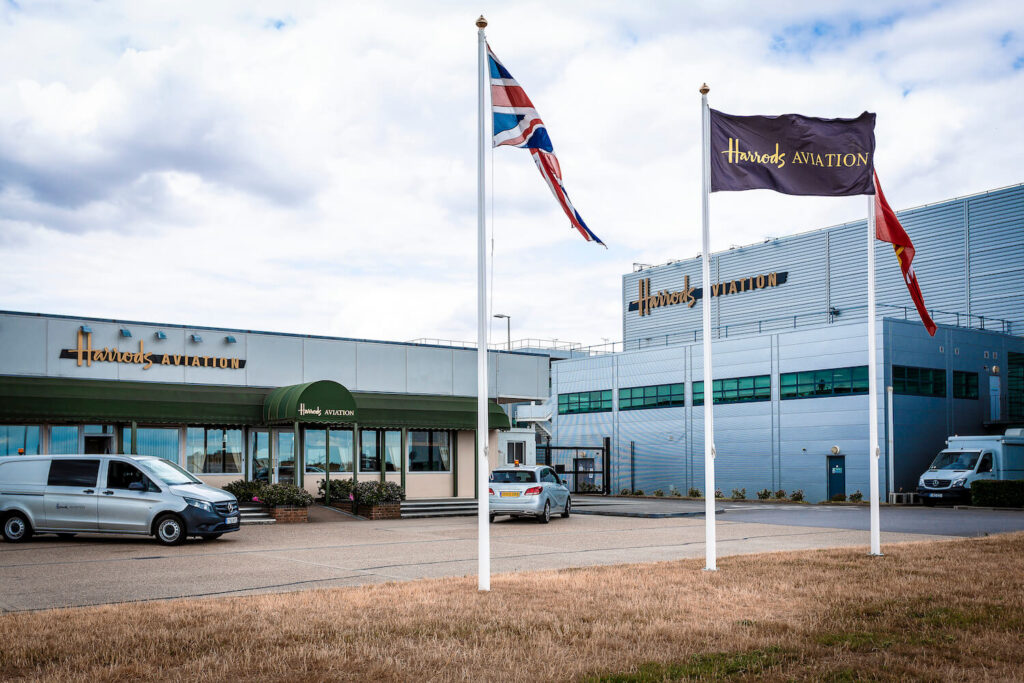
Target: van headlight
[
  {"x": 959, "y": 483},
  {"x": 201, "y": 504}
]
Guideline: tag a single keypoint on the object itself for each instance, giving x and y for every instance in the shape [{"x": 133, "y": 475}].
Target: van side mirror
[{"x": 136, "y": 486}]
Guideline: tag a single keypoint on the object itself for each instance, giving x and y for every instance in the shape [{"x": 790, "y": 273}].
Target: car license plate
[
  {"x": 510, "y": 494},
  {"x": 231, "y": 520},
  {"x": 935, "y": 495}
]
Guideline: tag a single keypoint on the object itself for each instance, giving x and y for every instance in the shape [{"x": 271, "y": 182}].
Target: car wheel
[
  {"x": 211, "y": 537},
  {"x": 65, "y": 536},
  {"x": 170, "y": 530},
  {"x": 17, "y": 528},
  {"x": 545, "y": 517},
  {"x": 568, "y": 507}
]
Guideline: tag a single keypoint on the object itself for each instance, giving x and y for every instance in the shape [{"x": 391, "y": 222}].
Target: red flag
[{"x": 888, "y": 229}]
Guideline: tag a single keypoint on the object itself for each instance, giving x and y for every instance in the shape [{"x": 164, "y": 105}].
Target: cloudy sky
[{"x": 310, "y": 166}]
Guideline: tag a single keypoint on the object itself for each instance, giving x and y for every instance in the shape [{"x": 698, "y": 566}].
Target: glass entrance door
[
  {"x": 259, "y": 456},
  {"x": 284, "y": 463},
  {"x": 98, "y": 439}
]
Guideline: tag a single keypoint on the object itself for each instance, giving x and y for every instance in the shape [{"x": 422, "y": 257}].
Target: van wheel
[
  {"x": 211, "y": 537},
  {"x": 17, "y": 528},
  {"x": 170, "y": 530}
]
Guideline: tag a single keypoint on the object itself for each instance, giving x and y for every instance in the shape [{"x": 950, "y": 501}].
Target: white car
[{"x": 535, "y": 491}]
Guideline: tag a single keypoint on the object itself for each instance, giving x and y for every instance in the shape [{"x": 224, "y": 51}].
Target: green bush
[
  {"x": 780, "y": 494},
  {"x": 797, "y": 495},
  {"x": 341, "y": 490},
  {"x": 856, "y": 496},
  {"x": 285, "y": 494},
  {"x": 245, "y": 491},
  {"x": 764, "y": 494},
  {"x": 838, "y": 498},
  {"x": 638, "y": 492},
  {"x": 587, "y": 487},
  {"x": 719, "y": 494},
  {"x": 695, "y": 493},
  {"x": 676, "y": 493},
  {"x": 625, "y": 492},
  {"x": 377, "y": 493},
  {"x": 739, "y": 494},
  {"x": 658, "y": 493},
  {"x": 995, "y": 493}
]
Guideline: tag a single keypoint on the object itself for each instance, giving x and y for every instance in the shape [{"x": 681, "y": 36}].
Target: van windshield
[
  {"x": 167, "y": 472},
  {"x": 955, "y": 460}
]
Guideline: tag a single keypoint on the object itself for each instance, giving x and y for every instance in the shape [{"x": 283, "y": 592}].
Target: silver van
[{"x": 115, "y": 494}]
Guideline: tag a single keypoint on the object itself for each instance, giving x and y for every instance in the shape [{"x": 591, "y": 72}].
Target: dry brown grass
[{"x": 939, "y": 611}]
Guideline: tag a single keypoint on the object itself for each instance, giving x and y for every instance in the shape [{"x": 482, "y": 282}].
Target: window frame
[
  {"x": 824, "y": 383},
  {"x": 671, "y": 395},
  {"x": 965, "y": 385},
  {"x": 732, "y": 390},
  {"x": 581, "y": 402},
  {"x": 908, "y": 380}
]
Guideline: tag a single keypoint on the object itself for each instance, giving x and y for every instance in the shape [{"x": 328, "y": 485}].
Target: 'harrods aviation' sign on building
[
  {"x": 688, "y": 295},
  {"x": 85, "y": 353}
]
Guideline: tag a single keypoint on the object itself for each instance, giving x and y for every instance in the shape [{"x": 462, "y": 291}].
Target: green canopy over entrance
[{"x": 321, "y": 401}]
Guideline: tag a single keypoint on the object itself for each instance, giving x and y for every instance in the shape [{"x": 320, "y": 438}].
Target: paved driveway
[{"x": 50, "y": 572}]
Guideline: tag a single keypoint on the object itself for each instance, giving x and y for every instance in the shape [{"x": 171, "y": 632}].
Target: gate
[{"x": 584, "y": 467}]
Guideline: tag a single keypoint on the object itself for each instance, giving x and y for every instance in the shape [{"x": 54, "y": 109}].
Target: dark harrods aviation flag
[{"x": 793, "y": 154}]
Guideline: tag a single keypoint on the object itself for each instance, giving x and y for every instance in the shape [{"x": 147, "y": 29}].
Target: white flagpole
[
  {"x": 710, "y": 563},
  {"x": 873, "y": 452},
  {"x": 483, "y": 468}
]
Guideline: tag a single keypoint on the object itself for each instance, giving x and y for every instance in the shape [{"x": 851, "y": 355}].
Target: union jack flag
[{"x": 517, "y": 123}]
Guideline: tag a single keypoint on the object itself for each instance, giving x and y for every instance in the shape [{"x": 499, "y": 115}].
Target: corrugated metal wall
[{"x": 977, "y": 240}]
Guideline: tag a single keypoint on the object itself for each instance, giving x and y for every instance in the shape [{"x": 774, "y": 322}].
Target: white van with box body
[
  {"x": 115, "y": 494},
  {"x": 967, "y": 459}
]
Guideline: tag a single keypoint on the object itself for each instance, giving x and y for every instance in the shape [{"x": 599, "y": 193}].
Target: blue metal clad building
[{"x": 789, "y": 346}]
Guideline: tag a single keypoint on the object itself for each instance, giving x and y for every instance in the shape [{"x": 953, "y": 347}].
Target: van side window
[
  {"x": 121, "y": 474},
  {"x": 986, "y": 463},
  {"x": 73, "y": 472}
]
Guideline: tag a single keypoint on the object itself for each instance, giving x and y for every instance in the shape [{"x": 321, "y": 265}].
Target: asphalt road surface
[{"x": 334, "y": 550}]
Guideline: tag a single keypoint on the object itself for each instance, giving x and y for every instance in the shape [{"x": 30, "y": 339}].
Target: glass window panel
[
  {"x": 745, "y": 383},
  {"x": 22, "y": 440},
  {"x": 315, "y": 451},
  {"x": 286, "y": 457},
  {"x": 63, "y": 439},
  {"x": 341, "y": 450},
  {"x": 195, "y": 450},
  {"x": 259, "y": 456},
  {"x": 369, "y": 451},
  {"x": 161, "y": 442},
  {"x": 392, "y": 450},
  {"x": 788, "y": 379}
]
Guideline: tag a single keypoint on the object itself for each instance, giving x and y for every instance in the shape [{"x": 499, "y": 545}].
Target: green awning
[
  {"x": 51, "y": 399},
  {"x": 321, "y": 401},
  {"x": 47, "y": 399}
]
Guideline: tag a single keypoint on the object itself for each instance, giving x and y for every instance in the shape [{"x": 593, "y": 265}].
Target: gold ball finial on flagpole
[
  {"x": 704, "y": 89},
  {"x": 481, "y": 23}
]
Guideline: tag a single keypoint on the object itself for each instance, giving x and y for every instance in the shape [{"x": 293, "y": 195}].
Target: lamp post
[{"x": 508, "y": 327}]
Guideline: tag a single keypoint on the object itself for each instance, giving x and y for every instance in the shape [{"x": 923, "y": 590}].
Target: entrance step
[
  {"x": 254, "y": 514},
  {"x": 439, "y": 507}
]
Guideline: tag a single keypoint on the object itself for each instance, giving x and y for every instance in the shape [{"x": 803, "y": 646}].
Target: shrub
[
  {"x": 739, "y": 494},
  {"x": 695, "y": 493},
  {"x": 719, "y": 494},
  {"x": 838, "y": 498},
  {"x": 797, "y": 495},
  {"x": 587, "y": 487},
  {"x": 780, "y": 494},
  {"x": 658, "y": 493},
  {"x": 286, "y": 494},
  {"x": 996, "y": 493},
  {"x": 856, "y": 496},
  {"x": 378, "y": 492},
  {"x": 676, "y": 493},
  {"x": 341, "y": 490},
  {"x": 245, "y": 491},
  {"x": 764, "y": 494},
  {"x": 638, "y": 492}
]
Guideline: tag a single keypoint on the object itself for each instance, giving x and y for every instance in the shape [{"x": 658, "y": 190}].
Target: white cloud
[{"x": 311, "y": 167}]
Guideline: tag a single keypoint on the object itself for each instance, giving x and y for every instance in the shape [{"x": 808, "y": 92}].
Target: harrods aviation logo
[
  {"x": 85, "y": 353},
  {"x": 646, "y": 302}
]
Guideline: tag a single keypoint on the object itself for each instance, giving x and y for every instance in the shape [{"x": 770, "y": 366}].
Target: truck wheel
[
  {"x": 17, "y": 528},
  {"x": 170, "y": 530}
]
